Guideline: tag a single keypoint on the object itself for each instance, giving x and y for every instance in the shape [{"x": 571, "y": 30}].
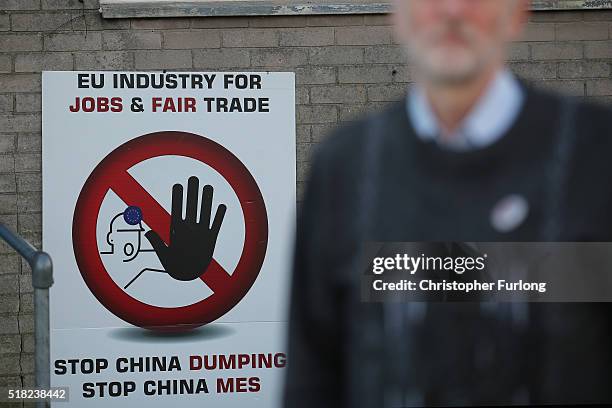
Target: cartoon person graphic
[
  {"x": 192, "y": 241},
  {"x": 125, "y": 234},
  {"x": 125, "y": 231}
]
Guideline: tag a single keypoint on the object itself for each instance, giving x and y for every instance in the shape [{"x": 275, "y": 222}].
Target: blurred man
[{"x": 471, "y": 154}]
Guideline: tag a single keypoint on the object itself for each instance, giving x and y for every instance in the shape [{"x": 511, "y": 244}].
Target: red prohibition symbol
[{"x": 112, "y": 174}]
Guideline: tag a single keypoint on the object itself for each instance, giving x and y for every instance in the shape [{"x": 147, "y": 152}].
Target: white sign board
[{"x": 168, "y": 210}]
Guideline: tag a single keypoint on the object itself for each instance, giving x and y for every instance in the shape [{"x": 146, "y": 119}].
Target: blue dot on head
[{"x": 132, "y": 215}]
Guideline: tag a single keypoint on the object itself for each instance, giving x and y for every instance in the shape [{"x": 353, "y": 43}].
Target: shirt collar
[{"x": 489, "y": 119}]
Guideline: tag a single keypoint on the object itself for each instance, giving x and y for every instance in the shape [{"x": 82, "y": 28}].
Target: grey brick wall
[{"x": 344, "y": 64}]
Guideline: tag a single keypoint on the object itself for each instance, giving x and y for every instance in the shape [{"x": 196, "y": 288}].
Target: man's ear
[
  {"x": 398, "y": 19},
  {"x": 109, "y": 240},
  {"x": 520, "y": 18}
]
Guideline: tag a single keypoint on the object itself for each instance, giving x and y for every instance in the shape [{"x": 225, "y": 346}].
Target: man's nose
[{"x": 454, "y": 9}]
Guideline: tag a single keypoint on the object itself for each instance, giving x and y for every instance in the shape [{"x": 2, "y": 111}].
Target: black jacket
[{"x": 347, "y": 353}]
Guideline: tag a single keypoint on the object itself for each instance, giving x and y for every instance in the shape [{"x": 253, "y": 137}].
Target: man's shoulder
[
  {"x": 347, "y": 139},
  {"x": 596, "y": 113},
  {"x": 590, "y": 124},
  {"x": 589, "y": 112}
]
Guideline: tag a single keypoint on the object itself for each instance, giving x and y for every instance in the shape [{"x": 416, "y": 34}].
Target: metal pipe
[
  {"x": 23, "y": 247},
  {"x": 42, "y": 279},
  {"x": 42, "y": 357}
]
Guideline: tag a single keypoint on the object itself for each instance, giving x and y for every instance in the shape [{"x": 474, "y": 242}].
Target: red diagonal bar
[
  {"x": 215, "y": 276},
  {"x": 158, "y": 219}
]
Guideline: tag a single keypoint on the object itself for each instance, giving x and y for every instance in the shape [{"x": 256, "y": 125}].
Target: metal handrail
[{"x": 42, "y": 279}]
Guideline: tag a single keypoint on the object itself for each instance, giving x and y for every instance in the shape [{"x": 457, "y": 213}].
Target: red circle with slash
[{"x": 112, "y": 174}]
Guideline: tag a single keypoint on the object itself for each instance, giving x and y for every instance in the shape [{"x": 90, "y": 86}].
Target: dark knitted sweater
[{"x": 340, "y": 351}]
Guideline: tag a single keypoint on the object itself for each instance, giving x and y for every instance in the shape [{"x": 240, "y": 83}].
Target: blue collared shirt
[{"x": 488, "y": 120}]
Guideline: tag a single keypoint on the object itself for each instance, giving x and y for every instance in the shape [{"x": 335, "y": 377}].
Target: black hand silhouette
[{"x": 192, "y": 243}]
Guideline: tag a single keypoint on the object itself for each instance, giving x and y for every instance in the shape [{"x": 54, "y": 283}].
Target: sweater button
[{"x": 509, "y": 213}]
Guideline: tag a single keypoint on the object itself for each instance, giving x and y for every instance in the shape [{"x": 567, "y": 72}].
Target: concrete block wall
[{"x": 345, "y": 65}]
